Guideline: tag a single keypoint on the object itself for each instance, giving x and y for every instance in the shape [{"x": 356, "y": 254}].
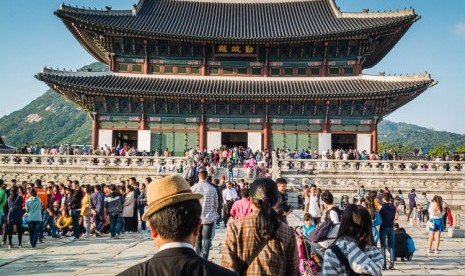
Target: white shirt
[
  {"x": 175, "y": 245},
  {"x": 313, "y": 208},
  {"x": 229, "y": 194}
]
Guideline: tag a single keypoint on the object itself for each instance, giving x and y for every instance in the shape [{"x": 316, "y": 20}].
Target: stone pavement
[{"x": 103, "y": 256}]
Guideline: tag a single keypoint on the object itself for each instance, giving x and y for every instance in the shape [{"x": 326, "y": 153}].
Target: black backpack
[
  {"x": 321, "y": 232},
  {"x": 335, "y": 209}
]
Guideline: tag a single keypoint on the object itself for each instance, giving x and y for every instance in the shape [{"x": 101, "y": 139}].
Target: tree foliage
[{"x": 439, "y": 151}]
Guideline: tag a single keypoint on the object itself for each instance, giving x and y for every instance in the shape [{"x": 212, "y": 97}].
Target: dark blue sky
[{"x": 33, "y": 37}]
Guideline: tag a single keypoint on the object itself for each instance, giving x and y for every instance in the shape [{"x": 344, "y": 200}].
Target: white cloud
[{"x": 459, "y": 29}]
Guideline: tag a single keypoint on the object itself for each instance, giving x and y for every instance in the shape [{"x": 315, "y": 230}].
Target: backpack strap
[
  {"x": 342, "y": 258},
  {"x": 254, "y": 255}
]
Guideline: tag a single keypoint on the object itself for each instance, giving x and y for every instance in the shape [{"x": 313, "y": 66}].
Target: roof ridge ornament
[{"x": 367, "y": 14}]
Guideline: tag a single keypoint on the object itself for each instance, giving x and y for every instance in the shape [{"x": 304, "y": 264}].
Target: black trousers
[
  {"x": 19, "y": 230},
  {"x": 227, "y": 211}
]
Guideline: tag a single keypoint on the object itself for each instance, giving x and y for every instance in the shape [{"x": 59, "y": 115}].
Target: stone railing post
[{"x": 12, "y": 160}]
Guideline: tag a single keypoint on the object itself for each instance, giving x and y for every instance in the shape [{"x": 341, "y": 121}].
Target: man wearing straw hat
[{"x": 173, "y": 217}]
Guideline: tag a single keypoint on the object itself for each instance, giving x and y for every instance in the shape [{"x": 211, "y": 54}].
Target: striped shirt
[
  {"x": 368, "y": 261},
  {"x": 209, "y": 201},
  {"x": 278, "y": 257}
]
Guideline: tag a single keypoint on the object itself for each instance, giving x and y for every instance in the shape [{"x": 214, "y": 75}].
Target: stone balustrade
[
  {"x": 341, "y": 177},
  {"x": 309, "y": 166},
  {"x": 98, "y": 169},
  {"x": 90, "y": 160},
  {"x": 445, "y": 178},
  {"x": 87, "y": 168}
]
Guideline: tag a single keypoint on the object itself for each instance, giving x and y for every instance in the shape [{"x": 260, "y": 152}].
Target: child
[
  {"x": 308, "y": 227},
  {"x": 303, "y": 245}
]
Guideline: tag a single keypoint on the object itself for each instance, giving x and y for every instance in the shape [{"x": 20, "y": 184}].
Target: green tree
[
  {"x": 460, "y": 149},
  {"x": 438, "y": 151}
]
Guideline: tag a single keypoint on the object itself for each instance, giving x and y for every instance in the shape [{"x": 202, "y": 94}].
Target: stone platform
[{"x": 103, "y": 256}]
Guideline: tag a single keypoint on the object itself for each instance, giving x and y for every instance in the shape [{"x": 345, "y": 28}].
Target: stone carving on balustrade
[{"x": 310, "y": 166}]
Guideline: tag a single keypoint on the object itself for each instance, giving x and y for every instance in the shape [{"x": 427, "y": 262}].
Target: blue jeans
[
  {"x": 230, "y": 176},
  {"x": 75, "y": 215},
  {"x": 34, "y": 229},
  {"x": 389, "y": 234},
  {"x": 41, "y": 232},
  {"x": 116, "y": 221},
  {"x": 48, "y": 220},
  {"x": 204, "y": 241},
  {"x": 99, "y": 222}
]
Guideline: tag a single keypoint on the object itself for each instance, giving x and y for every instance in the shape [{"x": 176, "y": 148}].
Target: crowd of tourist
[
  {"x": 335, "y": 239},
  {"x": 69, "y": 209}
]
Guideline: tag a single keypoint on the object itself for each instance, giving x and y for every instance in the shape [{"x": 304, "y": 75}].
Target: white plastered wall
[
  {"x": 254, "y": 140},
  {"x": 144, "y": 140},
  {"x": 324, "y": 142},
  {"x": 105, "y": 137},
  {"x": 364, "y": 142},
  {"x": 213, "y": 140}
]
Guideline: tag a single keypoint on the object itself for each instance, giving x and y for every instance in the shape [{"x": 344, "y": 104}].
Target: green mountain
[
  {"x": 48, "y": 120},
  {"x": 413, "y": 136},
  {"x": 51, "y": 120}
]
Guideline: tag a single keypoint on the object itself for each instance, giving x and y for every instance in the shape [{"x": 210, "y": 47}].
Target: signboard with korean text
[{"x": 235, "y": 50}]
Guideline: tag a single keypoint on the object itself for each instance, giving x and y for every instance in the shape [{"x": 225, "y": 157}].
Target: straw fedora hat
[{"x": 165, "y": 192}]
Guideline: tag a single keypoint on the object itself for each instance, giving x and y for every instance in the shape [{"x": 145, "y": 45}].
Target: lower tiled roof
[{"x": 132, "y": 85}]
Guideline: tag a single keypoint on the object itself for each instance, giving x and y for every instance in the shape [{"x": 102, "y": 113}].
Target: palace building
[{"x": 263, "y": 74}]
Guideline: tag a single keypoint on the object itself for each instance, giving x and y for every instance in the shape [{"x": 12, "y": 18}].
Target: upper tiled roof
[
  {"x": 132, "y": 85},
  {"x": 238, "y": 20}
]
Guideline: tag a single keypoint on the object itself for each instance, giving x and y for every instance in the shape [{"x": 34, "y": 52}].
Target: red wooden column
[
  {"x": 266, "y": 68},
  {"x": 374, "y": 137},
  {"x": 146, "y": 60},
  {"x": 146, "y": 66},
  {"x": 143, "y": 124},
  {"x": 266, "y": 135},
  {"x": 203, "y": 71},
  {"x": 202, "y": 128},
  {"x": 95, "y": 130},
  {"x": 326, "y": 128},
  {"x": 202, "y": 136}
]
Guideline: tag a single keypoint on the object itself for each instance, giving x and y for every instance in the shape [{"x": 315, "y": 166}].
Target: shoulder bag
[{"x": 251, "y": 258}]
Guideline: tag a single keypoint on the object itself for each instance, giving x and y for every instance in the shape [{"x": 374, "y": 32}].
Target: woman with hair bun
[
  {"x": 260, "y": 244},
  {"x": 353, "y": 250}
]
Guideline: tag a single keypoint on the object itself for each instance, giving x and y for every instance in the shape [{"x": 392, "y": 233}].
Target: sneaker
[
  {"x": 429, "y": 251},
  {"x": 73, "y": 239},
  {"x": 85, "y": 236},
  {"x": 436, "y": 252},
  {"x": 391, "y": 265},
  {"x": 20, "y": 246},
  {"x": 10, "y": 246},
  {"x": 117, "y": 236}
]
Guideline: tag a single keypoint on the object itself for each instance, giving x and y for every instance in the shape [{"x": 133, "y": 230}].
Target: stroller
[{"x": 309, "y": 263}]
